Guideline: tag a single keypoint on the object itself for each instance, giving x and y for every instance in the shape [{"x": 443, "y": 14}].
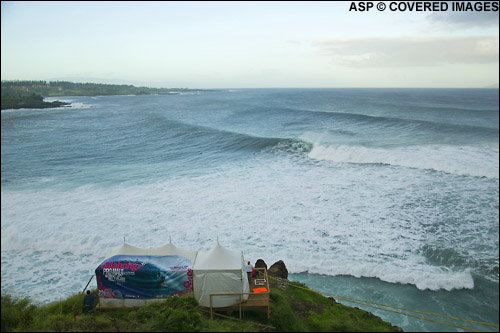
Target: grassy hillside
[{"x": 293, "y": 310}]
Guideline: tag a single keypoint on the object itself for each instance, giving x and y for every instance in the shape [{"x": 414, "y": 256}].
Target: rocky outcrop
[
  {"x": 278, "y": 269},
  {"x": 260, "y": 264}
]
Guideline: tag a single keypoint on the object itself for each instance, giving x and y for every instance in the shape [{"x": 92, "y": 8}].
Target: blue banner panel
[{"x": 144, "y": 277}]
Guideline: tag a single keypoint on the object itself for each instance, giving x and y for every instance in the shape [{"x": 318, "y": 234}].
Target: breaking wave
[{"x": 475, "y": 161}]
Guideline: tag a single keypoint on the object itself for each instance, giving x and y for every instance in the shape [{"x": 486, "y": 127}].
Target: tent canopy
[
  {"x": 131, "y": 276},
  {"x": 165, "y": 250},
  {"x": 219, "y": 270},
  {"x": 218, "y": 258}
]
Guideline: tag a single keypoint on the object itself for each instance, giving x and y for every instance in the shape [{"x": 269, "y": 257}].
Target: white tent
[
  {"x": 132, "y": 276},
  {"x": 168, "y": 249},
  {"x": 219, "y": 270}
]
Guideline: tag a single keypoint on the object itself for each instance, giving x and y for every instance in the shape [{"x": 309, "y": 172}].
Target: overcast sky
[{"x": 247, "y": 44}]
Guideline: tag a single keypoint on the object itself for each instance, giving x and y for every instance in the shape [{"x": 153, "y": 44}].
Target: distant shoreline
[
  {"x": 30, "y": 94},
  {"x": 64, "y": 88}
]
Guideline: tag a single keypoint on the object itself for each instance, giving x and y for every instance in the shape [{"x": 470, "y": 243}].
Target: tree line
[{"x": 65, "y": 88}]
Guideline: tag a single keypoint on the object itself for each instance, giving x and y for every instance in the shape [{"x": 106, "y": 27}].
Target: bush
[{"x": 16, "y": 314}]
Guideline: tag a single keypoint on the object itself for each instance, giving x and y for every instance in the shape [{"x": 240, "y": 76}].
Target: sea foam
[{"x": 316, "y": 219}]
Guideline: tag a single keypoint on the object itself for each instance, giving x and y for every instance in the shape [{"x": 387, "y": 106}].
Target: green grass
[
  {"x": 311, "y": 312},
  {"x": 293, "y": 310},
  {"x": 16, "y": 313}
]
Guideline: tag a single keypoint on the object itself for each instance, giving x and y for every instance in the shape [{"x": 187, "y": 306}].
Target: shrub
[{"x": 16, "y": 314}]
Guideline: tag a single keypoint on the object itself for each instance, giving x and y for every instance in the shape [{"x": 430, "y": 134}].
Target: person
[
  {"x": 88, "y": 302},
  {"x": 161, "y": 279},
  {"x": 249, "y": 269}
]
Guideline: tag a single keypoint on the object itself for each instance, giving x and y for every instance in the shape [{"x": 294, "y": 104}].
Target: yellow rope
[
  {"x": 406, "y": 314},
  {"x": 410, "y": 315},
  {"x": 427, "y": 313}
]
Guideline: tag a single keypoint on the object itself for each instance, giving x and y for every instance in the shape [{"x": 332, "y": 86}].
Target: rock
[
  {"x": 333, "y": 300},
  {"x": 260, "y": 264},
  {"x": 278, "y": 269}
]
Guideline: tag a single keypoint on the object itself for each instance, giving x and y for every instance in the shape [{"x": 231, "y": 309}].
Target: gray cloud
[
  {"x": 464, "y": 20},
  {"x": 410, "y": 51}
]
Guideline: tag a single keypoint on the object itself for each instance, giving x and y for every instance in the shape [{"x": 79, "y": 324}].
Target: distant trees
[
  {"x": 64, "y": 88},
  {"x": 24, "y": 88},
  {"x": 30, "y": 94}
]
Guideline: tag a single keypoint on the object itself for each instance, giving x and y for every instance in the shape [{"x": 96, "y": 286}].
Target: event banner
[{"x": 144, "y": 277}]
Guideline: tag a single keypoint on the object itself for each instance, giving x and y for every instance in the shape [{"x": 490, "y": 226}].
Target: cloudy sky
[{"x": 247, "y": 44}]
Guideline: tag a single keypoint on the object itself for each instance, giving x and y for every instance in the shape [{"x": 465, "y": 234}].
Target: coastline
[{"x": 33, "y": 101}]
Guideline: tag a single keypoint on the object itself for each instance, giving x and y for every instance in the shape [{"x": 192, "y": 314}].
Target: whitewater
[{"x": 385, "y": 195}]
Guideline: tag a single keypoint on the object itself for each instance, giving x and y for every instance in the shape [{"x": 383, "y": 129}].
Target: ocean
[{"x": 385, "y": 195}]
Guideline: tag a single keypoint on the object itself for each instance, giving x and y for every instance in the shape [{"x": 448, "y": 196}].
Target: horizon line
[{"x": 492, "y": 86}]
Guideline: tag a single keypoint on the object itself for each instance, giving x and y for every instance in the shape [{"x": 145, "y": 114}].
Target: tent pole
[
  {"x": 211, "y": 309},
  {"x": 88, "y": 283}
]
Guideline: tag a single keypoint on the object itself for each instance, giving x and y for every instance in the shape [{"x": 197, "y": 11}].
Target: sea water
[{"x": 384, "y": 195}]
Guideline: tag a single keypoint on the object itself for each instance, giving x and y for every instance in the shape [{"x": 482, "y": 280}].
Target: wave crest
[
  {"x": 465, "y": 161},
  {"x": 424, "y": 277}
]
